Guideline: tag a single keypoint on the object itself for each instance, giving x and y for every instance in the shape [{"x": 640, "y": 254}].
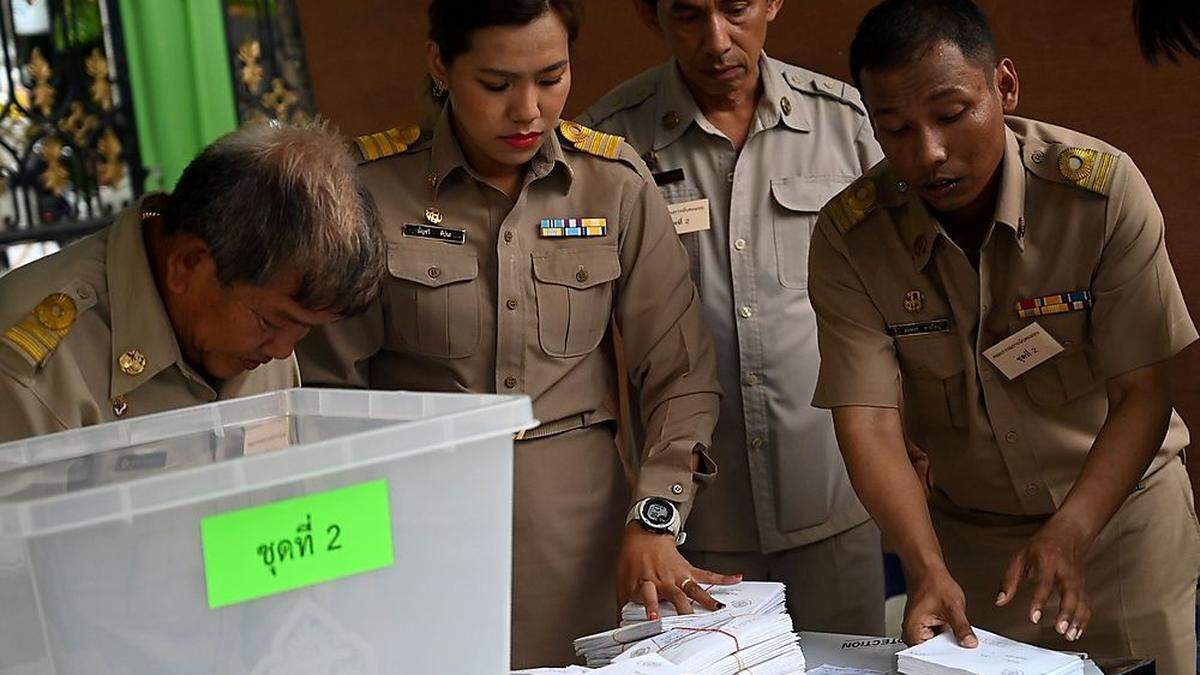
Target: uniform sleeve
[
  {"x": 339, "y": 354},
  {"x": 24, "y": 414},
  {"x": 858, "y": 358},
  {"x": 671, "y": 359},
  {"x": 869, "y": 152},
  {"x": 1139, "y": 317}
]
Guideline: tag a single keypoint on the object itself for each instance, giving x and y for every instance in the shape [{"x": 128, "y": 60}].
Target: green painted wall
[{"x": 179, "y": 72}]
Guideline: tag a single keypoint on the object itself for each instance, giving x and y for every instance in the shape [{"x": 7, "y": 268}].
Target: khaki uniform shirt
[
  {"x": 783, "y": 483},
  {"x": 497, "y": 307},
  {"x": 88, "y": 340},
  {"x": 904, "y": 318}
]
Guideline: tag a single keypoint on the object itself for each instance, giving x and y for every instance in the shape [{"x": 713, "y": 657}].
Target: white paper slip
[
  {"x": 839, "y": 670},
  {"x": 690, "y": 216},
  {"x": 995, "y": 655},
  {"x": 1022, "y": 351},
  {"x": 268, "y": 435}
]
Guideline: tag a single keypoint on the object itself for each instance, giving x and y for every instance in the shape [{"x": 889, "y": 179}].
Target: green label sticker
[{"x": 263, "y": 550}]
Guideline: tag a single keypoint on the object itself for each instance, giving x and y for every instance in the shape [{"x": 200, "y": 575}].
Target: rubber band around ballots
[{"x": 737, "y": 647}]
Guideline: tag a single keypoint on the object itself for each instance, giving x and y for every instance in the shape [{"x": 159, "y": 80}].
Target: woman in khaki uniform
[{"x": 514, "y": 237}]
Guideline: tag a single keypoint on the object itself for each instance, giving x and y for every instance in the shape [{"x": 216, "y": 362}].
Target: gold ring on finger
[{"x": 683, "y": 586}]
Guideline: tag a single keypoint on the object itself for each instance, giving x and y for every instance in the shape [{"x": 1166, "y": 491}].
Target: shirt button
[
  {"x": 83, "y": 293},
  {"x": 677, "y": 489},
  {"x": 752, "y": 380},
  {"x": 581, "y": 276},
  {"x": 986, "y": 376},
  {"x": 508, "y": 237},
  {"x": 1038, "y": 156},
  {"x": 1031, "y": 489},
  {"x": 512, "y": 303},
  {"x": 729, "y": 176},
  {"x": 740, "y": 244},
  {"x": 434, "y": 272},
  {"x": 1011, "y": 437},
  {"x": 756, "y": 442},
  {"x": 510, "y": 382},
  {"x": 746, "y": 312}
]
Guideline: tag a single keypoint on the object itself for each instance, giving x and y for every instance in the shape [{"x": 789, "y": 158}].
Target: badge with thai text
[
  {"x": 446, "y": 234},
  {"x": 903, "y": 330},
  {"x": 1023, "y": 351},
  {"x": 690, "y": 216}
]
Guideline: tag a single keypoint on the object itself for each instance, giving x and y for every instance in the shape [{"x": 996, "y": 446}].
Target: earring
[{"x": 439, "y": 88}]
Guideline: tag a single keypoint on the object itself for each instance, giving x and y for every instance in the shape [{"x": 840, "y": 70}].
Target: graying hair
[{"x": 270, "y": 199}]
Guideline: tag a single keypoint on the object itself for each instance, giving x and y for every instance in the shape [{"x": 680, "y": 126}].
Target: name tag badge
[
  {"x": 903, "y": 330},
  {"x": 446, "y": 234},
  {"x": 690, "y": 216},
  {"x": 1023, "y": 351}
]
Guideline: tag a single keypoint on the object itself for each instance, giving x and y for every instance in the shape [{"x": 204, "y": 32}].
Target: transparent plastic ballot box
[{"x": 302, "y": 531}]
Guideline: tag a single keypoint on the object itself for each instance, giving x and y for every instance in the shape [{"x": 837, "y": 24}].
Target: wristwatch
[{"x": 658, "y": 515}]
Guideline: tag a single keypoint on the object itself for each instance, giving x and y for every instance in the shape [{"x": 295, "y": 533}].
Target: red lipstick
[{"x": 522, "y": 141}]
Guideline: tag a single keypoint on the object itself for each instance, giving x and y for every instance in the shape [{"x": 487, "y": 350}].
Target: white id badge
[{"x": 1022, "y": 351}]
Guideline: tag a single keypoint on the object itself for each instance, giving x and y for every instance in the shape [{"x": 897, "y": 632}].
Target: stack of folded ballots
[
  {"x": 752, "y": 634},
  {"x": 995, "y": 655}
]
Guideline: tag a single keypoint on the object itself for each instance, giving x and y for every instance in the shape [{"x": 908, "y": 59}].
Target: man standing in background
[{"x": 747, "y": 149}]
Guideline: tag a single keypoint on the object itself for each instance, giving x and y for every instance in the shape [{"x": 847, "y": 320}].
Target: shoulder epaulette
[
  {"x": 622, "y": 98},
  {"x": 387, "y": 143},
  {"x": 852, "y": 205},
  {"x": 591, "y": 141},
  {"x": 1087, "y": 168},
  {"x": 39, "y": 332},
  {"x": 815, "y": 83}
]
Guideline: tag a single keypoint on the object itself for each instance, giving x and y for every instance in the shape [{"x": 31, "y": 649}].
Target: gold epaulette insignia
[
  {"x": 1087, "y": 168},
  {"x": 591, "y": 141},
  {"x": 387, "y": 143},
  {"x": 39, "y": 333},
  {"x": 854, "y": 204}
]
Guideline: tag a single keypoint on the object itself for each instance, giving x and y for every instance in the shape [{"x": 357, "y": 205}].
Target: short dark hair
[
  {"x": 898, "y": 32},
  {"x": 273, "y": 198},
  {"x": 1169, "y": 28}
]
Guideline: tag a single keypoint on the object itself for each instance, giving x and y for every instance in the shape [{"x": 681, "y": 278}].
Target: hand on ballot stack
[
  {"x": 651, "y": 569},
  {"x": 936, "y": 603}
]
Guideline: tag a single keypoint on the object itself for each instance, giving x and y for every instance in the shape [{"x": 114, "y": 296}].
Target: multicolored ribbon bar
[
  {"x": 574, "y": 227},
  {"x": 1074, "y": 301}
]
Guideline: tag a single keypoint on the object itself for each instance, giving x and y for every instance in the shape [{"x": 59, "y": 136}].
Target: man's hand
[
  {"x": 1052, "y": 560},
  {"x": 936, "y": 602},
  {"x": 650, "y": 568}
]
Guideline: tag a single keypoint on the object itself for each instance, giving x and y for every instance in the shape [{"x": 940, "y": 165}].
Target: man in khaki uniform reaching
[
  {"x": 999, "y": 288},
  {"x": 747, "y": 149},
  {"x": 194, "y": 296}
]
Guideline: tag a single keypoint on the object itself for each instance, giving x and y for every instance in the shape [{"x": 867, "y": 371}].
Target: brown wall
[{"x": 1077, "y": 59}]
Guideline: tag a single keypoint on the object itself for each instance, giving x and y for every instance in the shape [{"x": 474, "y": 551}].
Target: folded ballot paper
[
  {"x": 746, "y": 598},
  {"x": 764, "y": 645},
  {"x": 995, "y": 655}
]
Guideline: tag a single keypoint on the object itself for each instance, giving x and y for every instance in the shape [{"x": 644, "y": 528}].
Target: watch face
[{"x": 658, "y": 513}]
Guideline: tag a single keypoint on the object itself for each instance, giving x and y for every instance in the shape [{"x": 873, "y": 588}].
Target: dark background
[{"x": 1077, "y": 59}]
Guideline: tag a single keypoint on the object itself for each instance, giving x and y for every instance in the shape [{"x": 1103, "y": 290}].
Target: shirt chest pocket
[
  {"x": 574, "y": 298},
  {"x": 433, "y": 302},
  {"x": 1067, "y": 376},
  {"x": 932, "y": 373},
  {"x": 796, "y": 200}
]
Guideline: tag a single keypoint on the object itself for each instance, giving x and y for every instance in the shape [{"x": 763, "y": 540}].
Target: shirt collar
[
  {"x": 921, "y": 228},
  {"x": 1010, "y": 203},
  {"x": 141, "y": 328},
  {"x": 678, "y": 110},
  {"x": 447, "y": 155}
]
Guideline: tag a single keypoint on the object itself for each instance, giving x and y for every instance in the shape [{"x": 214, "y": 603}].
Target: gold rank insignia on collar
[
  {"x": 40, "y": 332},
  {"x": 852, "y": 205},
  {"x": 132, "y": 362},
  {"x": 1089, "y": 169},
  {"x": 591, "y": 141},
  {"x": 387, "y": 143}
]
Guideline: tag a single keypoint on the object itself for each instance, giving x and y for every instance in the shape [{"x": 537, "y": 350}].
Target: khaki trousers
[
  {"x": 833, "y": 586},
  {"x": 570, "y": 501},
  {"x": 1141, "y": 575}
]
